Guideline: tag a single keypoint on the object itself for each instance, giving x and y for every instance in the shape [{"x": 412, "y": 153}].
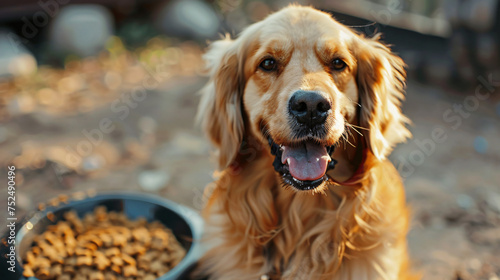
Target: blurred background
[{"x": 100, "y": 95}]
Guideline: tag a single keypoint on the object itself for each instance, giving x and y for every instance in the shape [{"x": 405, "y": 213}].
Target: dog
[{"x": 303, "y": 112}]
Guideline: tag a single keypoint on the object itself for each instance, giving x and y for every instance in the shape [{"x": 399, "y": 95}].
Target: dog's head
[{"x": 301, "y": 82}]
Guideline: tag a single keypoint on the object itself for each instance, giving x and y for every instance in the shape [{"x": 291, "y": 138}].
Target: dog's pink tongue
[{"x": 306, "y": 162}]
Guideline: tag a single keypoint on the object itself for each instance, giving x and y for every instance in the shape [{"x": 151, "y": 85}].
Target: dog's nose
[{"x": 309, "y": 108}]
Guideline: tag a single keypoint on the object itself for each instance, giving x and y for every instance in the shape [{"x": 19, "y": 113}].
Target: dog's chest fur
[{"x": 290, "y": 235}]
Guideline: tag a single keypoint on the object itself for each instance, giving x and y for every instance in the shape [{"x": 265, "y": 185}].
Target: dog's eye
[
  {"x": 268, "y": 64},
  {"x": 338, "y": 64}
]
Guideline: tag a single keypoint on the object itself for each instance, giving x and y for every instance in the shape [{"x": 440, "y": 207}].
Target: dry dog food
[{"x": 103, "y": 246}]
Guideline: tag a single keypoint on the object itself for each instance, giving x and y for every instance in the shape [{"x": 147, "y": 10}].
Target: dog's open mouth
[{"x": 303, "y": 165}]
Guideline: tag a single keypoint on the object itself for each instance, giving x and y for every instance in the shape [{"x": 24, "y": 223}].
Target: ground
[{"x": 129, "y": 125}]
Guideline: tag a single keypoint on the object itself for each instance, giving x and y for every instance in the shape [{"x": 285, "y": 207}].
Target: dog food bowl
[{"x": 184, "y": 222}]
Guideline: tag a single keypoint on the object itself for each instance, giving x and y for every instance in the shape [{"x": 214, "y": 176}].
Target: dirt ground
[{"x": 54, "y": 133}]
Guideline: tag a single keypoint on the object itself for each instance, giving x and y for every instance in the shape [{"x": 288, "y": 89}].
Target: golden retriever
[{"x": 303, "y": 112}]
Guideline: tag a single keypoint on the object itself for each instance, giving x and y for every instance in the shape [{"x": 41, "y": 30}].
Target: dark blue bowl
[{"x": 184, "y": 222}]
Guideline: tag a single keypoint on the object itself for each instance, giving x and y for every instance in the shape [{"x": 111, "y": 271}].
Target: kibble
[{"x": 103, "y": 246}]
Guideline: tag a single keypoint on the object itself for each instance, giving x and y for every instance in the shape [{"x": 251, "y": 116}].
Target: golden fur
[{"x": 354, "y": 226}]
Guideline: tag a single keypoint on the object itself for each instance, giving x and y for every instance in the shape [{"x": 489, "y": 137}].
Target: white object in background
[
  {"x": 81, "y": 29},
  {"x": 188, "y": 18},
  {"x": 153, "y": 180},
  {"x": 15, "y": 59}
]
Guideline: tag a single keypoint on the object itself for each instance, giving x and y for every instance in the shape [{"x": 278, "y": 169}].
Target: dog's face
[
  {"x": 301, "y": 92},
  {"x": 299, "y": 81}
]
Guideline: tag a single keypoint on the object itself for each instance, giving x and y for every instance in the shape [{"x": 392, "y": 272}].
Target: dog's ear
[
  {"x": 220, "y": 108},
  {"x": 381, "y": 83}
]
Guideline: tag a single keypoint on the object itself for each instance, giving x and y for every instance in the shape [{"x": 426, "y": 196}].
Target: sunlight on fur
[{"x": 303, "y": 112}]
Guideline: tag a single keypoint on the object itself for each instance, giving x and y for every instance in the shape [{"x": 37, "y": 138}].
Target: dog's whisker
[
  {"x": 352, "y": 127},
  {"x": 349, "y": 132},
  {"x": 344, "y": 141},
  {"x": 359, "y": 127},
  {"x": 347, "y": 140},
  {"x": 359, "y": 105}
]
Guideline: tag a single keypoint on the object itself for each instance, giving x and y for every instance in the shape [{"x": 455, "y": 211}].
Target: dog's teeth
[
  {"x": 297, "y": 180},
  {"x": 288, "y": 161}
]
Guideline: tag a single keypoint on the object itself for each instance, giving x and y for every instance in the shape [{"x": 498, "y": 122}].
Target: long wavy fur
[{"x": 256, "y": 227}]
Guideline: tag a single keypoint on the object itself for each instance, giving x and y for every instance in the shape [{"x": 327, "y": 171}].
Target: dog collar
[{"x": 358, "y": 176}]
